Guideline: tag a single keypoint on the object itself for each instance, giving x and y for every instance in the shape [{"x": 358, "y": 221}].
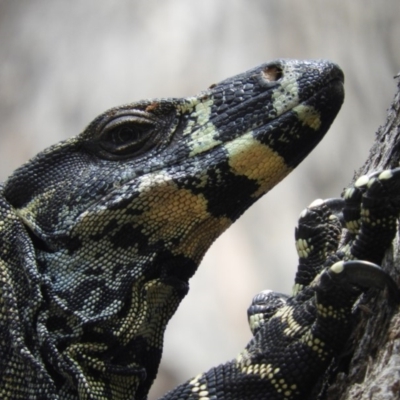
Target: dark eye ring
[{"x": 126, "y": 135}]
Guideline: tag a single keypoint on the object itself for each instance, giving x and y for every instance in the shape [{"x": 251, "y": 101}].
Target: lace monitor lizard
[{"x": 101, "y": 233}]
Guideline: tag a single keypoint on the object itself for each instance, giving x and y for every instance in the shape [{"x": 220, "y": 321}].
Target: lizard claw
[{"x": 363, "y": 274}]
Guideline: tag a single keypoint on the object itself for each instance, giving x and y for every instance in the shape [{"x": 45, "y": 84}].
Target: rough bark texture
[{"x": 374, "y": 368}]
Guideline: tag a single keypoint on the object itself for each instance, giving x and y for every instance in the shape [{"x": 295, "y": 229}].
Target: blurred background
[{"x": 64, "y": 62}]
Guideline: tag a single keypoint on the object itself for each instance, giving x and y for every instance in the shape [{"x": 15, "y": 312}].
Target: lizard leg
[{"x": 317, "y": 236}]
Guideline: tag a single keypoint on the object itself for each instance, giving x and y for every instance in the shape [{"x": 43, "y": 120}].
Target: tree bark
[{"x": 374, "y": 369}]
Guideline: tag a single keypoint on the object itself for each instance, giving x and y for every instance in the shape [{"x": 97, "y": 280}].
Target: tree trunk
[{"x": 374, "y": 369}]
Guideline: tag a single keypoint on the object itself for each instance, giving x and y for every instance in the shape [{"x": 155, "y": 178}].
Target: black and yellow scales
[{"x": 100, "y": 234}]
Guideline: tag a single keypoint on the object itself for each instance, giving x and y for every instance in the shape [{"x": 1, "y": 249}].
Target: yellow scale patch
[
  {"x": 309, "y": 116},
  {"x": 286, "y": 95},
  {"x": 297, "y": 288},
  {"x": 331, "y": 312},
  {"x": 316, "y": 344},
  {"x": 166, "y": 207},
  {"x": 303, "y": 249},
  {"x": 201, "y": 138},
  {"x": 285, "y": 314},
  {"x": 249, "y": 157},
  {"x": 255, "y": 321},
  {"x": 198, "y": 388},
  {"x": 268, "y": 372}
]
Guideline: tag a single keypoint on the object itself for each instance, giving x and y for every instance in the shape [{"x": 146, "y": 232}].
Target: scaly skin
[{"x": 101, "y": 233}]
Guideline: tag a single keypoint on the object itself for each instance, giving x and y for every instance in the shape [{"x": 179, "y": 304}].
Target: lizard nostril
[{"x": 272, "y": 73}]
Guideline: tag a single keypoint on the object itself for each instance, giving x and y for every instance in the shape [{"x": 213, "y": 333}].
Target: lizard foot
[
  {"x": 317, "y": 238},
  {"x": 372, "y": 207}
]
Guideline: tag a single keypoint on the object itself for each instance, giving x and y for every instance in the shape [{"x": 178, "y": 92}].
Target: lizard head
[{"x": 173, "y": 174}]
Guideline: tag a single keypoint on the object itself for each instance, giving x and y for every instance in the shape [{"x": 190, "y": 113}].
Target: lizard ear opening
[
  {"x": 126, "y": 136},
  {"x": 272, "y": 73}
]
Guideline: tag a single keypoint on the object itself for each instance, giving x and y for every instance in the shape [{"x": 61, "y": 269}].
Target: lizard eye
[{"x": 126, "y": 135}]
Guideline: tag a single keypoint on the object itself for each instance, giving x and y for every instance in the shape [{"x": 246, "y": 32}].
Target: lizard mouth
[{"x": 294, "y": 133}]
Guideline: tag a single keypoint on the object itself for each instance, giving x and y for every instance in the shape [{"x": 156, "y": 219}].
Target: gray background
[{"x": 64, "y": 62}]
